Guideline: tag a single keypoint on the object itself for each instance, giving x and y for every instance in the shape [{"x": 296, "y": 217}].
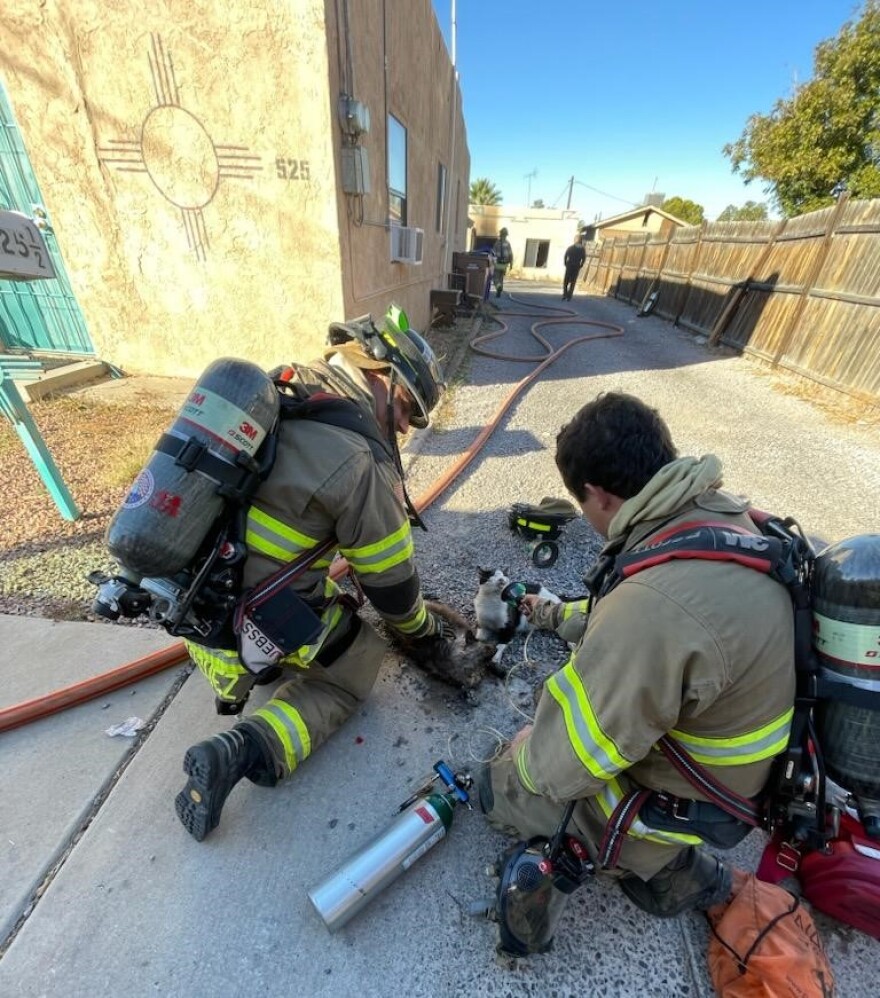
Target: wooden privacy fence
[{"x": 803, "y": 293}]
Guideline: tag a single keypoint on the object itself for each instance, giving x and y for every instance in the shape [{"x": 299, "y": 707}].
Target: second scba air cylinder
[{"x": 846, "y": 636}]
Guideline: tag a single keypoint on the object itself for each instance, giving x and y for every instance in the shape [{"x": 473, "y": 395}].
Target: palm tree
[{"x": 483, "y": 191}]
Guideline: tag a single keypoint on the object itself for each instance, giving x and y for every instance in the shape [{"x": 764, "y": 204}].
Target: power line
[{"x": 605, "y": 194}]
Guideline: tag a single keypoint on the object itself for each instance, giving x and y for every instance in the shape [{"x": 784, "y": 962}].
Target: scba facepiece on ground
[{"x": 535, "y": 881}]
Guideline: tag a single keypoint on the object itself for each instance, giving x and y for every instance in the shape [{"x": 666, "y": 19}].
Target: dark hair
[{"x": 616, "y": 442}]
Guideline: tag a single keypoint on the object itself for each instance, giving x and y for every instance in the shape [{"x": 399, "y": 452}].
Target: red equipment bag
[{"x": 845, "y": 882}]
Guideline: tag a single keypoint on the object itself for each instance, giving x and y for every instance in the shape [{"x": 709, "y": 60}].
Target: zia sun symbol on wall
[{"x": 177, "y": 153}]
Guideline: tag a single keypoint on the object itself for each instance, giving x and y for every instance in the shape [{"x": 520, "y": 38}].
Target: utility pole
[
  {"x": 570, "y": 187},
  {"x": 529, "y": 176}
]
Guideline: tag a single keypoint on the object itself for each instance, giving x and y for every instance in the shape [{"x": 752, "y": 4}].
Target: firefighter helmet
[{"x": 401, "y": 349}]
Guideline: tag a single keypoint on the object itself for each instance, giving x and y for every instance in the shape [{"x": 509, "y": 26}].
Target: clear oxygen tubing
[{"x": 69, "y": 696}]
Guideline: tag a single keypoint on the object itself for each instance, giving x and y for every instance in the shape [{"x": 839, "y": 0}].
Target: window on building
[
  {"x": 396, "y": 171},
  {"x": 440, "y": 222},
  {"x": 537, "y": 252}
]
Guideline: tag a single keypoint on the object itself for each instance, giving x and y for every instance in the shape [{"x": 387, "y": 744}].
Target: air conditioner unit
[{"x": 406, "y": 244}]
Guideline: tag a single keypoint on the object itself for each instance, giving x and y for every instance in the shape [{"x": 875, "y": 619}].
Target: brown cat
[{"x": 462, "y": 662}]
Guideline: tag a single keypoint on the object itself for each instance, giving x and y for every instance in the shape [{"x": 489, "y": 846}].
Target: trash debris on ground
[{"x": 128, "y": 728}]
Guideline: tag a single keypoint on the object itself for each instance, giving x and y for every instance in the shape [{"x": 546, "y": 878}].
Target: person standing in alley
[
  {"x": 503, "y": 253},
  {"x": 575, "y": 256}
]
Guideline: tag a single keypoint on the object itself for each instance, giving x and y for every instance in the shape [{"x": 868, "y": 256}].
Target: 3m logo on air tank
[{"x": 249, "y": 430}]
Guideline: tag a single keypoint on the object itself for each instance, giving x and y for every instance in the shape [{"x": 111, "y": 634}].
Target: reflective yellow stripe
[
  {"x": 221, "y": 668},
  {"x": 259, "y": 516},
  {"x": 277, "y": 539},
  {"x": 578, "y": 606},
  {"x": 612, "y": 794},
  {"x": 522, "y": 770},
  {"x": 541, "y": 527},
  {"x": 288, "y": 725},
  {"x": 412, "y": 624},
  {"x": 596, "y": 751},
  {"x": 371, "y": 559},
  {"x": 762, "y": 743}
]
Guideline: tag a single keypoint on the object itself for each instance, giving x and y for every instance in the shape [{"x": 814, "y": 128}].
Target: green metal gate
[{"x": 35, "y": 315}]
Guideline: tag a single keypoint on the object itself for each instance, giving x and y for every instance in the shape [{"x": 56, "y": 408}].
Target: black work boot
[
  {"x": 214, "y": 767},
  {"x": 694, "y": 879}
]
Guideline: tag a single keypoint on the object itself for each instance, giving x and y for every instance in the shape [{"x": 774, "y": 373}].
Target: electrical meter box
[{"x": 355, "y": 170}]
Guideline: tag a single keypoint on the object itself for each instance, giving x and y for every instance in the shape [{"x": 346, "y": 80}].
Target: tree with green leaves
[
  {"x": 687, "y": 211},
  {"x": 751, "y": 211},
  {"x": 827, "y": 132},
  {"x": 483, "y": 191},
  {"x": 538, "y": 203}
]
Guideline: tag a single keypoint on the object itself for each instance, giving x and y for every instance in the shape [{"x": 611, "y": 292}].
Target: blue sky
[{"x": 627, "y": 97}]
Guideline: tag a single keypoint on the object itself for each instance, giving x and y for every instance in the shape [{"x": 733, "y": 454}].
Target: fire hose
[{"x": 69, "y": 696}]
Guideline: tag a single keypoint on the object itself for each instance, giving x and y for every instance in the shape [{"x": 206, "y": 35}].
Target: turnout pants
[
  {"x": 515, "y": 812},
  {"x": 316, "y": 700}
]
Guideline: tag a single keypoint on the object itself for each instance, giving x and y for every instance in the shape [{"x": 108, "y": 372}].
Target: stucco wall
[
  {"x": 400, "y": 66},
  {"x": 185, "y": 155}
]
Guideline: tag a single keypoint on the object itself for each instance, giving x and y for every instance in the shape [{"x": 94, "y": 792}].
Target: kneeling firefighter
[
  {"x": 723, "y": 681},
  {"x": 696, "y": 654},
  {"x": 333, "y": 484}
]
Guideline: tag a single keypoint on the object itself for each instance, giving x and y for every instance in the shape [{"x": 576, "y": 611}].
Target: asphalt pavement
[{"x": 102, "y": 892}]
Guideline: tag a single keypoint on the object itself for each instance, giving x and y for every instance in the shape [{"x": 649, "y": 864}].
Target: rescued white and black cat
[{"x": 497, "y": 620}]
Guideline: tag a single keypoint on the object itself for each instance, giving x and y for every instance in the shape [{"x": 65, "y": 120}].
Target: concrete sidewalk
[
  {"x": 102, "y": 893},
  {"x": 132, "y": 905}
]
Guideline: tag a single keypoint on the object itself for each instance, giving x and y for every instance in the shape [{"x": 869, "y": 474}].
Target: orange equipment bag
[{"x": 764, "y": 944}]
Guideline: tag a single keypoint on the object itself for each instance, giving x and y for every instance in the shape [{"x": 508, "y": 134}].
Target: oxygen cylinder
[
  {"x": 419, "y": 826},
  {"x": 846, "y": 637},
  {"x": 174, "y": 500}
]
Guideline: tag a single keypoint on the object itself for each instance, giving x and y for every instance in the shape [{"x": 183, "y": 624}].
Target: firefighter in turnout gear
[
  {"x": 503, "y": 253},
  {"x": 332, "y": 482},
  {"x": 699, "y": 650}
]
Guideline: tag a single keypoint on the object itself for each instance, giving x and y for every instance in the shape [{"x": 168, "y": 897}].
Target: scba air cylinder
[
  {"x": 175, "y": 499},
  {"x": 846, "y": 636}
]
